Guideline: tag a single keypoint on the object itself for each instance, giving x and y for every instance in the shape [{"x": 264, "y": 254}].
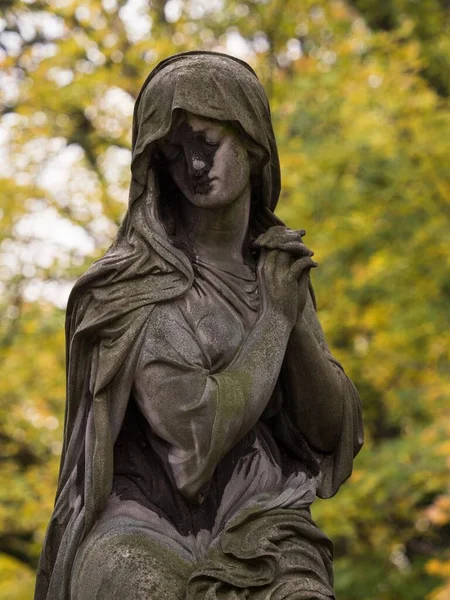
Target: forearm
[
  {"x": 320, "y": 388},
  {"x": 257, "y": 365}
]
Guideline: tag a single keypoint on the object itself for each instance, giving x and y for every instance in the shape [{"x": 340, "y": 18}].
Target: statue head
[{"x": 202, "y": 117}]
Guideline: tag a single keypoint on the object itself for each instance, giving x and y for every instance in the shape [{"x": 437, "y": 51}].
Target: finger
[
  {"x": 274, "y": 262},
  {"x": 306, "y": 262},
  {"x": 268, "y": 235},
  {"x": 284, "y": 235},
  {"x": 292, "y": 246},
  {"x": 275, "y": 235},
  {"x": 279, "y": 242},
  {"x": 267, "y": 262},
  {"x": 300, "y": 250},
  {"x": 282, "y": 260},
  {"x": 303, "y": 279}
]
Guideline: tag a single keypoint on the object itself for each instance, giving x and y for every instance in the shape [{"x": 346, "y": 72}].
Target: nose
[{"x": 197, "y": 165}]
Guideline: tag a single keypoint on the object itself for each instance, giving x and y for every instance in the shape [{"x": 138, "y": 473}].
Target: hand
[
  {"x": 285, "y": 279},
  {"x": 283, "y": 238}
]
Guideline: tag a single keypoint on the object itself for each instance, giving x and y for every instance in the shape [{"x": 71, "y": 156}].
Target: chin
[{"x": 210, "y": 200}]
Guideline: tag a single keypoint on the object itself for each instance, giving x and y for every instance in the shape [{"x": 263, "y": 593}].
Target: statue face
[{"x": 207, "y": 161}]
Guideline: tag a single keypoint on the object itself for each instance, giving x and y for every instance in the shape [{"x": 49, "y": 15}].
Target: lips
[{"x": 202, "y": 186}]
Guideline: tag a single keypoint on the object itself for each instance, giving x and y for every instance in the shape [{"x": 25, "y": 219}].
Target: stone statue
[{"x": 204, "y": 410}]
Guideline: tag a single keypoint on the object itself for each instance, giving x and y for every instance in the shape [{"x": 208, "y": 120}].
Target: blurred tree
[
  {"x": 425, "y": 21},
  {"x": 360, "y": 111}
]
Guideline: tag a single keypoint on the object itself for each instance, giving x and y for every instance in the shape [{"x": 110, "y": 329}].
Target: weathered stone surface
[{"x": 204, "y": 409}]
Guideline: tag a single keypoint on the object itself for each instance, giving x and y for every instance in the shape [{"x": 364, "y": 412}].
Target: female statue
[{"x": 204, "y": 409}]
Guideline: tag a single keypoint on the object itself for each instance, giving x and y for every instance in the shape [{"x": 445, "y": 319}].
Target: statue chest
[{"x": 220, "y": 318}]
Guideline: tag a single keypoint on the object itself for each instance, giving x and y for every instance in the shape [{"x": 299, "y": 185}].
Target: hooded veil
[{"x": 111, "y": 303}]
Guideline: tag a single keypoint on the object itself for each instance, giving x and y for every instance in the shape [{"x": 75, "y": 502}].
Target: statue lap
[{"x": 126, "y": 558}]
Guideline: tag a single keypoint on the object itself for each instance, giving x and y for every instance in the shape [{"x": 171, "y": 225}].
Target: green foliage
[
  {"x": 363, "y": 125},
  {"x": 427, "y": 21}
]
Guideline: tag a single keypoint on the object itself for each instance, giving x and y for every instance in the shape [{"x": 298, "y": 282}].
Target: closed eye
[
  {"x": 212, "y": 138},
  {"x": 210, "y": 144}
]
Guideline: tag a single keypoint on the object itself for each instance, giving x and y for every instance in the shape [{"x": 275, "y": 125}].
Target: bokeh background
[{"x": 359, "y": 93}]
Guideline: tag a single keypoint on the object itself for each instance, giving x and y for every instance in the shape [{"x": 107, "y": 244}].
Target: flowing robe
[{"x": 223, "y": 516}]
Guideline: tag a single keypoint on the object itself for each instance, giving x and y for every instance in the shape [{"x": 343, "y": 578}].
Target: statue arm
[
  {"x": 322, "y": 402},
  {"x": 320, "y": 390},
  {"x": 202, "y": 414},
  {"x": 256, "y": 366}
]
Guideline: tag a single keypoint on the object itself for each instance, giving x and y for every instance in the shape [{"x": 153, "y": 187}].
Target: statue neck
[{"x": 218, "y": 235}]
